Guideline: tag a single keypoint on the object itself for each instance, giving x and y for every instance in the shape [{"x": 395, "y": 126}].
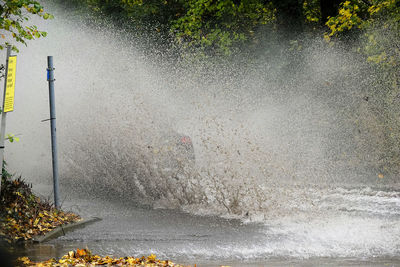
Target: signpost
[
  {"x": 50, "y": 79},
  {"x": 8, "y": 99},
  {"x": 8, "y": 105}
]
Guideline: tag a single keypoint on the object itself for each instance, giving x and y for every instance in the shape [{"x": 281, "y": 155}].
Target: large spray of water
[{"x": 266, "y": 136}]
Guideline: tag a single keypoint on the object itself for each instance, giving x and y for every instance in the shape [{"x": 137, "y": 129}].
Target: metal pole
[
  {"x": 50, "y": 78},
  {"x": 3, "y": 118}
]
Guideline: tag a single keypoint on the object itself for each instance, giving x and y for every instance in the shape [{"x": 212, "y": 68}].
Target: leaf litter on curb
[
  {"x": 24, "y": 215},
  {"x": 84, "y": 257}
]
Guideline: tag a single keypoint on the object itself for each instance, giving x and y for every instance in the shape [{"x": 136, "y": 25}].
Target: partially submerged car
[{"x": 172, "y": 151}]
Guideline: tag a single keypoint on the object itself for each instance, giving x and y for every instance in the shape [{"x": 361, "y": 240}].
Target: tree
[
  {"x": 13, "y": 15},
  {"x": 220, "y": 24},
  {"x": 206, "y": 24},
  {"x": 379, "y": 21}
]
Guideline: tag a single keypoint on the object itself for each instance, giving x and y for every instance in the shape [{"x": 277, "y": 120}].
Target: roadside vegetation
[
  {"x": 23, "y": 215},
  {"x": 221, "y": 26}
]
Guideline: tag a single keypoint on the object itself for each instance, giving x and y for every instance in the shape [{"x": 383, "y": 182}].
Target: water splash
[{"x": 271, "y": 143}]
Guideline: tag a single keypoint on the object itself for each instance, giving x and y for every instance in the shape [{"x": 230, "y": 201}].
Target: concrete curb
[{"x": 61, "y": 230}]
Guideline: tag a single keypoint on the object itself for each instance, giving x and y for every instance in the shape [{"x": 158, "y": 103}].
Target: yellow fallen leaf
[
  {"x": 71, "y": 254},
  {"x": 151, "y": 258},
  {"x": 131, "y": 261},
  {"x": 24, "y": 260}
]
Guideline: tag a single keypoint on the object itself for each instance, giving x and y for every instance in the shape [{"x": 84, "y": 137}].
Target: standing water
[{"x": 288, "y": 163}]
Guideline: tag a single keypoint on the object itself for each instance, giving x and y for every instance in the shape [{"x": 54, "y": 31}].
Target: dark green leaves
[{"x": 13, "y": 14}]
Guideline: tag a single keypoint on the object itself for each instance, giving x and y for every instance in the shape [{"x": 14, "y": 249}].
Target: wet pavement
[{"x": 129, "y": 230}]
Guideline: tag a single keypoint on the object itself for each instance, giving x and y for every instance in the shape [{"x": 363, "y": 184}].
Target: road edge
[{"x": 63, "y": 229}]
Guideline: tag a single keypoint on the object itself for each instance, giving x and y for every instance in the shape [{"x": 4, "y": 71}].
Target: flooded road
[
  {"x": 364, "y": 234},
  {"x": 261, "y": 134}
]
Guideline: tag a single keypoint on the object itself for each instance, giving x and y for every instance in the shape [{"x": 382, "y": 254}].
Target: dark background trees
[
  {"x": 224, "y": 24},
  {"x": 329, "y": 8}
]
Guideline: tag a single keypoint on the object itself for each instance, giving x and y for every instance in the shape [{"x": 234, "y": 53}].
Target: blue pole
[{"x": 50, "y": 79}]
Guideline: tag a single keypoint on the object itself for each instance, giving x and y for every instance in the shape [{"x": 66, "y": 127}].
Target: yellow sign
[{"x": 8, "y": 104}]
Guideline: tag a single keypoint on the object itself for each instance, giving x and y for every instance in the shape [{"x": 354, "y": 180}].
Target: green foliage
[
  {"x": 205, "y": 24},
  {"x": 13, "y": 15},
  {"x": 347, "y": 18},
  {"x": 362, "y": 15},
  {"x": 311, "y": 11},
  {"x": 383, "y": 34},
  {"x": 12, "y": 138},
  {"x": 379, "y": 23},
  {"x": 220, "y": 24}
]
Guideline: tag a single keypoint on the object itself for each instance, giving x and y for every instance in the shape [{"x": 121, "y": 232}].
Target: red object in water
[{"x": 186, "y": 140}]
